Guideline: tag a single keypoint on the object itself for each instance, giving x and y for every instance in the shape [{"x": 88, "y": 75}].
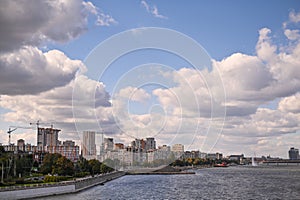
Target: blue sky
[
  {"x": 245, "y": 102},
  {"x": 221, "y": 27}
]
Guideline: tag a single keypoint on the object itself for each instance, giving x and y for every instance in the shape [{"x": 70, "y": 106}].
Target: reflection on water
[{"x": 277, "y": 182}]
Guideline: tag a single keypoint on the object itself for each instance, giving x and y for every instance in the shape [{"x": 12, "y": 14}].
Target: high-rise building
[
  {"x": 67, "y": 149},
  {"x": 47, "y": 137},
  {"x": 108, "y": 144},
  {"x": 88, "y": 145},
  {"x": 178, "y": 148},
  {"x": 150, "y": 144},
  {"x": 21, "y": 145},
  {"x": 138, "y": 145},
  {"x": 294, "y": 154}
]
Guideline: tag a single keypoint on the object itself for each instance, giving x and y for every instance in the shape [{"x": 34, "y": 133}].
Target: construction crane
[
  {"x": 12, "y": 129},
  {"x": 38, "y": 123},
  {"x": 9, "y": 132}
]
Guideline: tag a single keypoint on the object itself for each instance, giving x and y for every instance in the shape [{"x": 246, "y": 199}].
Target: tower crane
[
  {"x": 12, "y": 129},
  {"x": 38, "y": 123},
  {"x": 9, "y": 132}
]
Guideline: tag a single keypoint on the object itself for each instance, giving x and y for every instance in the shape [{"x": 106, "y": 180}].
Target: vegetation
[
  {"x": 56, "y": 178},
  {"x": 14, "y": 165},
  {"x": 22, "y": 168},
  {"x": 196, "y": 162}
]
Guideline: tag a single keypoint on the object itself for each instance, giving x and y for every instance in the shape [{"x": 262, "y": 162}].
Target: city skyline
[
  {"x": 90, "y": 149},
  {"x": 240, "y": 93}
]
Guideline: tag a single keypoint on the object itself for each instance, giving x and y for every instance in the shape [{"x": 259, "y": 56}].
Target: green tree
[
  {"x": 48, "y": 162},
  {"x": 105, "y": 169},
  {"x": 24, "y": 163},
  {"x": 95, "y": 166},
  {"x": 63, "y": 166}
]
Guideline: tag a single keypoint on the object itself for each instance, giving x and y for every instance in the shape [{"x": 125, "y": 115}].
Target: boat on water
[{"x": 221, "y": 165}]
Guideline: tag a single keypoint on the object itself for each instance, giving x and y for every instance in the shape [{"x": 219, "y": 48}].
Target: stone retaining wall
[{"x": 40, "y": 190}]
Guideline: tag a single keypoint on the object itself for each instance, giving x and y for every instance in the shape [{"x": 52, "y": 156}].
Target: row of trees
[
  {"x": 60, "y": 165},
  {"x": 197, "y": 161},
  {"x": 16, "y": 165}
]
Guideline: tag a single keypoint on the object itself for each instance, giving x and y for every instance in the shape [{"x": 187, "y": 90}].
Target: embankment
[{"x": 41, "y": 190}]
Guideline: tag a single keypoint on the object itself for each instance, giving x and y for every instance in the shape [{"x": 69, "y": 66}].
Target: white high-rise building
[{"x": 88, "y": 146}]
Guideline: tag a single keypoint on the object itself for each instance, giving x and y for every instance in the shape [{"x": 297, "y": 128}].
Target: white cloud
[
  {"x": 30, "y": 71},
  {"x": 153, "y": 10},
  {"x": 133, "y": 94},
  {"x": 290, "y": 104},
  {"x": 264, "y": 48},
  {"x": 102, "y": 18},
  {"x": 26, "y": 25},
  {"x": 58, "y": 106},
  {"x": 90, "y": 7},
  {"x": 145, "y": 5},
  {"x": 105, "y": 20},
  {"x": 34, "y": 22},
  {"x": 294, "y": 17},
  {"x": 292, "y": 34}
]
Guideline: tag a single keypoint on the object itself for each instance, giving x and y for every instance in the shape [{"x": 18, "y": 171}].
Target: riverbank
[
  {"x": 42, "y": 190},
  {"x": 158, "y": 173},
  {"x": 165, "y": 170}
]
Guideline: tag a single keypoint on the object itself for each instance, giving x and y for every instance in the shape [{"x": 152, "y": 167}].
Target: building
[
  {"x": 178, "y": 148},
  {"x": 67, "y": 149},
  {"x": 138, "y": 145},
  {"x": 47, "y": 137},
  {"x": 238, "y": 158},
  {"x": 211, "y": 156},
  {"x": 294, "y": 154},
  {"x": 118, "y": 146},
  {"x": 21, "y": 145},
  {"x": 150, "y": 144},
  {"x": 88, "y": 146},
  {"x": 108, "y": 144}
]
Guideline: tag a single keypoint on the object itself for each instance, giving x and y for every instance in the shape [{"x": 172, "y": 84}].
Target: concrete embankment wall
[{"x": 40, "y": 190}]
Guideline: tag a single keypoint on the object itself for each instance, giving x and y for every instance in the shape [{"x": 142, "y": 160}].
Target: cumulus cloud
[
  {"x": 152, "y": 10},
  {"x": 264, "y": 47},
  {"x": 33, "y": 22},
  {"x": 294, "y": 17},
  {"x": 292, "y": 34},
  {"x": 30, "y": 71},
  {"x": 250, "y": 81},
  {"x": 133, "y": 94},
  {"x": 25, "y": 25},
  {"x": 58, "y": 105},
  {"x": 290, "y": 104}
]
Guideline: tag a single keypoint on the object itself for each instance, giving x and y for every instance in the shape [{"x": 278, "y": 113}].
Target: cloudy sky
[{"x": 213, "y": 75}]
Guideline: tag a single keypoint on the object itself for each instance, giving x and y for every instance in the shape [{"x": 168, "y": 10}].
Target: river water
[{"x": 277, "y": 182}]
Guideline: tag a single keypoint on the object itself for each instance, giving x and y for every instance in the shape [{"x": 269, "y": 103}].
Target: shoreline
[
  {"x": 60, "y": 188},
  {"x": 160, "y": 173}
]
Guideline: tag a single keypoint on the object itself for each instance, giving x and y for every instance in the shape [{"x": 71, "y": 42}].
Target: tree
[
  {"x": 63, "y": 166},
  {"x": 24, "y": 163},
  {"x": 105, "y": 169},
  {"x": 94, "y": 166},
  {"x": 48, "y": 162},
  {"x": 82, "y": 165}
]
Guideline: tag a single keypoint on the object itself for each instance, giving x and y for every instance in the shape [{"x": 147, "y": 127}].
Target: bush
[
  {"x": 81, "y": 174},
  {"x": 49, "y": 179},
  {"x": 20, "y": 181}
]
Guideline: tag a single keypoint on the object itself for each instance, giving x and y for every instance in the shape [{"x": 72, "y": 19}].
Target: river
[{"x": 267, "y": 182}]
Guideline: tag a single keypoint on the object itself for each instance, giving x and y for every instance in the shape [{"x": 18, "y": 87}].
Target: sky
[{"x": 216, "y": 76}]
